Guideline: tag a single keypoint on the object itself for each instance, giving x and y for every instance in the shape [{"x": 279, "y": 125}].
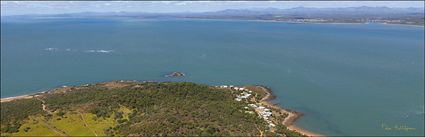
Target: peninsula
[{"x": 128, "y": 108}]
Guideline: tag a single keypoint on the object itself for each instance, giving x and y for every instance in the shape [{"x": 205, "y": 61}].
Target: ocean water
[{"x": 347, "y": 79}]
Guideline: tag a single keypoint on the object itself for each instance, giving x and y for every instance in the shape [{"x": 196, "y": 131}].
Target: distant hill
[{"x": 302, "y": 11}]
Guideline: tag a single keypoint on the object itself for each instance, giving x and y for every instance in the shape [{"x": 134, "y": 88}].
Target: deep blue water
[{"x": 346, "y": 79}]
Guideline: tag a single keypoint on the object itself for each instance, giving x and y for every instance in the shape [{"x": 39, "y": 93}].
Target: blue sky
[{"x": 57, "y": 7}]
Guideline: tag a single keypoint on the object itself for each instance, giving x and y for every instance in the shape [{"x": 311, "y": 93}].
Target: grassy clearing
[
  {"x": 71, "y": 123},
  {"x": 98, "y": 125},
  {"x": 82, "y": 124},
  {"x": 34, "y": 125}
]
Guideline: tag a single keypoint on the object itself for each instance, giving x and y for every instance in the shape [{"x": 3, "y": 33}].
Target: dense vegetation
[
  {"x": 12, "y": 113},
  {"x": 171, "y": 109}
]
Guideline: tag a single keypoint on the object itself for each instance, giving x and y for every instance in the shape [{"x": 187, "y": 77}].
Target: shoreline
[
  {"x": 36, "y": 94},
  {"x": 292, "y": 117},
  {"x": 8, "y": 99},
  {"x": 61, "y": 89}
]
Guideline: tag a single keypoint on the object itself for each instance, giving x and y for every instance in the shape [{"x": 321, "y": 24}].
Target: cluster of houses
[
  {"x": 244, "y": 95},
  {"x": 232, "y": 87},
  {"x": 262, "y": 111}
]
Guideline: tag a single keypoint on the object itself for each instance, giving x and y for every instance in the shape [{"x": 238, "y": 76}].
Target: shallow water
[{"x": 346, "y": 79}]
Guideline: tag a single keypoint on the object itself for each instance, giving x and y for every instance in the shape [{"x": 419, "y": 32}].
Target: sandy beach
[
  {"x": 62, "y": 89},
  {"x": 16, "y": 98},
  {"x": 8, "y": 99}
]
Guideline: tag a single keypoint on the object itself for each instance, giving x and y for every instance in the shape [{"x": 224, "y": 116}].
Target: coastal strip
[
  {"x": 264, "y": 107},
  {"x": 8, "y": 99},
  {"x": 109, "y": 84},
  {"x": 306, "y": 22},
  {"x": 37, "y": 94}
]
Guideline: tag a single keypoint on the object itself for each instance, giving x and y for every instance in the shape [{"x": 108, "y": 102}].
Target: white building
[
  {"x": 252, "y": 105},
  {"x": 261, "y": 107},
  {"x": 223, "y": 86}
]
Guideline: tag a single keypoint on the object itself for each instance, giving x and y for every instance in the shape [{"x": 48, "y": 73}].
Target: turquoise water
[{"x": 346, "y": 79}]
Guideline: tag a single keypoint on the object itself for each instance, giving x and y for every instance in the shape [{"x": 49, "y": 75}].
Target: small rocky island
[
  {"x": 131, "y": 108},
  {"x": 176, "y": 74}
]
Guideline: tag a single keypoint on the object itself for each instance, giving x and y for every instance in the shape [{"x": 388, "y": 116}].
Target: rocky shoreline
[
  {"x": 292, "y": 115},
  {"x": 290, "y": 120}
]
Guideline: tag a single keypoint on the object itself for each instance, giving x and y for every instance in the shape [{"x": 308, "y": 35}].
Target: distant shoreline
[{"x": 294, "y": 22}]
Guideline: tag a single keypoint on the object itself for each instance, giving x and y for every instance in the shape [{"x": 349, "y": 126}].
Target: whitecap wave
[
  {"x": 104, "y": 51},
  {"x": 51, "y": 49},
  {"x": 98, "y": 51},
  {"x": 74, "y": 50}
]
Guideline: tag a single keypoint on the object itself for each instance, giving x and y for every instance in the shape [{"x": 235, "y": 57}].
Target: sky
[{"x": 59, "y": 7}]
